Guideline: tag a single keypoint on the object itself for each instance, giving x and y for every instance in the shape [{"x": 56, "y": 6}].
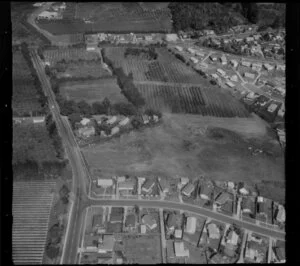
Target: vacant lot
[
  {"x": 92, "y": 90},
  {"x": 142, "y": 249},
  {"x": 103, "y": 17},
  {"x": 183, "y": 146}
]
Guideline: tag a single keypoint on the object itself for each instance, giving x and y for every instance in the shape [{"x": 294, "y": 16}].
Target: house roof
[
  {"x": 188, "y": 188},
  {"x": 91, "y": 241},
  {"x": 116, "y": 214},
  {"x": 232, "y": 237},
  {"x": 248, "y": 203},
  {"x": 149, "y": 220},
  {"x": 180, "y": 251},
  {"x": 170, "y": 249},
  {"x": 108, "y": 242},
  {"x": 222, "y": 198},
  {"x": 164, "y": 184},
  {"x": 280, "y": 253},
  {"x": 206, "y": 189},
  {"x": 127, "y": 184},
  {"x": 148, "y": 183},
  {"x": 191, "y": 225},
  {"x": 104, "y": 182},
  {"x": 97, "y": 220},
  {"x": 213, "y": 231},
  {"x": 130, "y": 220}
]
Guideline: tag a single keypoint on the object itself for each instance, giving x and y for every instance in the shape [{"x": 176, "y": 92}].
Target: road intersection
[{"x": 81, "y": 187}]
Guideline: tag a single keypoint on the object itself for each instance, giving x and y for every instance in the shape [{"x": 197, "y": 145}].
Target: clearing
[
  {"x": 188, "y": 145},
  {"x": 92, "y": 90}
]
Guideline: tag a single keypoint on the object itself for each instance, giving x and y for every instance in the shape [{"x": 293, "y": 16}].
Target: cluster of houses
[
  {"x": 260, "y": 45},
  {"x": 92, "y": 40},
  {"x": 54, "y": 12},
  {"x": 239, "y": 200},
  {"x": 86, "y": 127}
]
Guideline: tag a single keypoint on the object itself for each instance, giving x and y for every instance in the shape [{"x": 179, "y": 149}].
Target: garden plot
[{"x": 31, "y": 208}]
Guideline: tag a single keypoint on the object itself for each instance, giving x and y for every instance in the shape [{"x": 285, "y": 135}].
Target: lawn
[
  {"x": 142, "y": 249},
  {"x": 92, "y": 90}
]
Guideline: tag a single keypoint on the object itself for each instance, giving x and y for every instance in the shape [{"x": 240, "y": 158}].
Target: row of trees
[
  {"x": 150, "y": 53},
  {"x": 125, "y": 83}
]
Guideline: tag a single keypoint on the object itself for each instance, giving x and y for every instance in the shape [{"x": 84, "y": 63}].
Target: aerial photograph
[{"x": 148, "y": 132}]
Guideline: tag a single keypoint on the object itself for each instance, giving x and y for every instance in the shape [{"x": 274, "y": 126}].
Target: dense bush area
[
  {"x": 220, "y": 17},
  {"x": 149, "y": 53}
]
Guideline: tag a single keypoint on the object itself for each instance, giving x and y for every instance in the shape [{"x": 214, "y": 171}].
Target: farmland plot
[
  {"x": 92, "y": 90},
  {"x": 31, "y": 208},
  {"x": 69, "y": 54},
  {"x": 191, "y": 99},
  {"x": 25, "y": 97}
]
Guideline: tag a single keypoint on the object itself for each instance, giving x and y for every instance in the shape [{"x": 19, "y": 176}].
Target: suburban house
[
  {"x": 180, "y": 251},
  {"x": 112, "y": 120},
  {"x": 85, "y": 121},
  {"x": 248, "y": 205},
  {"x": 91, "y": 243},
  {"x": 234, "y": 63},
  {"x": 256, "y": 66},
  {"x": 191, "y": 225},
  {"x": 232, "y": 238},
  {"x": 213, "y": 58},
  {"x": 106, "y": 243},
  {"x": 184, "y": 180},
  {"x": 178, "y": 234},
  {"x": 149, "y": 221},
  {"x": 279, "y": 251},
  {"x": 127, "y": 185},
  {"x": 179, "y": 48},
  {"x": 230, "y": 84},
  {"x": 222, "y": 198},
  {"x": 48, "y": 15},
  {"x": 272, "y": 107},
  {"x": 124, "y": 122},
  {"x": 188, "y": 189},
  {"x": 280, "y": 67},
  {"x": 205, "y": 191},
  {"x": 164, "y": 185},
  {"x": 148, "y": 185},
  {"x": 213, "y": 231},
  {"x": 221, "y": 72},
  {"x": 146, "y": 119},
  {"x": 281, "y": 110},
  {"x": 116, "y": 215},
  {"x": 280, "y": 214},
  {"x": 234, "y": 78},
  {"x": 97, "y": 221},
  {"x": 86, "y": 131},
  {"x": 143, "y": 229},
  {"x": 38, "y": 119},
  {"x": 223, "y": 60},
  {"x": 114, "y": 131},
  {"x": 249, "y": 75},
  {"x": 174, "y": 221},
  {"x": 194, "y": 60},
  {"x": 91, "y": 46},
  {"x": 268, "y": 67},
  {"x": 246, "y": 63},
  {"x": 130, "y": 220},
  {"x": 104, "y": 182}
]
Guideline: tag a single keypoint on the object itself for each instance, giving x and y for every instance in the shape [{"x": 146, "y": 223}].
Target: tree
[
  {"x": 136, "y": 123},
  {"x": 98, "y": 108},
  {"x": 106, "y": 104},
  {"x": 126, "y": 109},
  {"x": 74, "y": 118},
  {"x": 84, "y": 108}
]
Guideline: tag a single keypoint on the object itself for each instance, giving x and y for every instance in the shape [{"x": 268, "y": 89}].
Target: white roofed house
[
  {"x": 280, "y": 67},
  {"x": 272, "y": 107},
  {"x": 179, "y": 48},
  {"x": 38, "y": 119},
  {"x": 268, "y": 67},
  {"x": 86, "y": 131},
  {"x": 114, "y": 131},
  {"x": 223, "y": 60},
  {"x": 256, "y": 66},
  {"x": 191, "y": 225},
  {"x": 127, "y": 186},
  {"x": 221, "y": 72},
  {"x": 104, "y": 182},
  {"x": 234, "y": 78},
  {"x": 91, "y": 46},
  {"x": 213, "y": 231},
  {"x": 124, "y": 122},
  {"x": 149, "y": 221},
  {"x": 280, "y": 214},
  {"x": 148, "y": 185},
  {"x": 281, "y": 110},
  {"x": 180, "y": 250},
  {"x": 85, "y": 121},
  {"x": 48, "y": 15},
  {"x": 249, "y": 75},
  {"x": 230, "y": 84},
  {"x": 112, "y": 120},
  {"x": 246, "y": 63},
  {"x": 194, "y": 60},
  {"x": 234, "y": 63}
]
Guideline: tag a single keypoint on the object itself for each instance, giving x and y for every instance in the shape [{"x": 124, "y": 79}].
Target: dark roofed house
[
  {"x": 174, "y": 220},
  {"x": 222, "y": 198},
  {"x": 149, "y": 221},
  {"x": 188, "y": 189},
  {"x": 248, "y": 205},
  {"x": 280, "y": 254},
  {"x": 97, "y": 220},
  {"x": 164, "y": 185},
  {"x": 228, "y": 207},
  {"x": 170, "y": 249},
  {"x": 148, "y": 185},
  {"x": 205, "y": 191},
  {"x": 116, "y": 215},
  {"x": 130, "y": 220}
]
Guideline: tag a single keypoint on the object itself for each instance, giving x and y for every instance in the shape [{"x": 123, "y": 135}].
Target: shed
[{"x": 191, "y": 225}]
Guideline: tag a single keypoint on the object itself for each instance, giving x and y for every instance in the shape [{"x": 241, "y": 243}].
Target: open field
[
  {"x": 103, "y": 17},
  {"x": 69, "y": 54},
  {"x": 142, "y": 249},
  {"x": 92, "y": 90},
  {"x": 191, "y": 99},
  {"x": 25, "y": 99},
  {"x": 31, "y": 207},
  {"x": 83, "y": 69},
  {"x": 182, "y": 146},
  {"x": 38, "y": 145}
]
